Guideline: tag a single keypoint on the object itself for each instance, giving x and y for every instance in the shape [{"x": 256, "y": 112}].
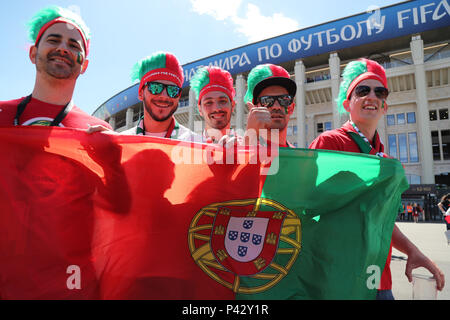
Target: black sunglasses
[
  {"x": 381, "y": 92},
  {"x": 284, "y": 100},
  {"x": 156, "y": 88}
]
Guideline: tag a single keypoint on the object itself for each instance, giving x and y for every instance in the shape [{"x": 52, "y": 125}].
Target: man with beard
[
  {"x": 61, "y": 45},
  {"x": 270, "y": 99},
  {"x": 161, "y": 79},
  {"x": 214, "y": 91}
]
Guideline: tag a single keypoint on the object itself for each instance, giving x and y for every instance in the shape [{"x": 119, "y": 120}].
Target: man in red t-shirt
[
  {"x": 57, "y": 194},
  {"x": 270, "y": 99},
  {"x": 363, "y": 94},
  {"x": 61, "y": 45}
]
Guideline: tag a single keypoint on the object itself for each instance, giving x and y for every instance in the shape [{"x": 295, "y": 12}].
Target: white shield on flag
[{"x": 245, "y": 236}]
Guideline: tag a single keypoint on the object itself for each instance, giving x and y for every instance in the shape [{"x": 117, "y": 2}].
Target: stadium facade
[{"x": 410, "y": 39}]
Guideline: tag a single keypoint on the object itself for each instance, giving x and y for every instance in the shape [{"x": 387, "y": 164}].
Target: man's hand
[
  {"x": 258, "y": 118},
  {"x": 417, "y": 259},
  {"x": 230, "y": 141},
  {"x": 99, "y": 128}
]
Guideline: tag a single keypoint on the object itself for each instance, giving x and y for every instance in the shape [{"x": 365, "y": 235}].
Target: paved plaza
[{"x": 431, "y": 240}]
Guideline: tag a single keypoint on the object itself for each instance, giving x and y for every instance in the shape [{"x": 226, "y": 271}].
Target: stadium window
[
  {"x": 413, "y": 178},
  {"x": 392, "y": 141},
  {"x": 320, "y": 127},
  {"x": 411, "y": 117},
  {"x": 435, "y": 145},
  {"x": 401, "y": 118},
  {"x": 327, "y": 125},
  {"x": 433, "y": 115},
  {"x": 294, "y": 129},
  {"x": 443, "y": 114},
  {"x": 390, "y": 120},
  {"x": 445, "y": 135},
  {"x": 289, "y": 131},
  {"x": 402, "y": 147},
  {"x": 413, "y": 151}
]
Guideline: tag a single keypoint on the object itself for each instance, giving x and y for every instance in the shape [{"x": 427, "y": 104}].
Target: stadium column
[
  {"x": 423, "y": 134},
  {"x": 300, "y": 103},
  {"x": 129, "y": 118},
  {"x": 311, "y": 129},
  {"x": 112, "y": 122},
  {"x": 192, "y": 108},
  {"x": 240, "y": 106},
  {"x": 335, "y": 72},
  {"x": 381, "y": 128}
]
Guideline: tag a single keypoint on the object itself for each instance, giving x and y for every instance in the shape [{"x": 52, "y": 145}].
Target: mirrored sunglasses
[{"x": 156, "y": 88}]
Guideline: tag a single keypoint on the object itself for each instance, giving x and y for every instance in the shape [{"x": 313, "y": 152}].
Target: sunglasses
[
  {"x": 284, "y": 100},
  {"x": 381, "y": 92},
  {"x": 156, "y": 88}
]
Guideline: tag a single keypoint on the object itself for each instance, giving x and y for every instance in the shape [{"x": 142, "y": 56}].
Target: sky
[{"x": 123, "y": 32}]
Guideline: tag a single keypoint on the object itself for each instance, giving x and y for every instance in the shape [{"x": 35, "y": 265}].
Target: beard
[
  {"x": 57, "y": 70},
  {"x": 158, "y": 117},
  {"x": 219, "y": 124},
  {"x": 278, "y": 123}
]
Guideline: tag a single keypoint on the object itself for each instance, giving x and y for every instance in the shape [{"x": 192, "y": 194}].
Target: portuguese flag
[{"x": 106, "y": 216}]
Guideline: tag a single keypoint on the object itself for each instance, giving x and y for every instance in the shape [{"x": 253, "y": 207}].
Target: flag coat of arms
[{"x": 132, "y": 217}]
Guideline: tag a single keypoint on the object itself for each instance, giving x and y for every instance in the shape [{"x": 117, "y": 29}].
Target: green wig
[
  {"x": 354, "y": 73},
  {"x": 158, "y": 66},
  {"x": 351, "y": 71},
  {"x": 256, "y": 75},
  {"x": 199, "y": 81},
  {"x": 50, "y": 13},
  {"x": 155, "y": 61}
]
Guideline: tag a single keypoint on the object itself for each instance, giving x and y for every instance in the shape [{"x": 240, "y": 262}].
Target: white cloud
[
  {"x": 218, "y": 9},
  {"x": 254, "y": 26}
]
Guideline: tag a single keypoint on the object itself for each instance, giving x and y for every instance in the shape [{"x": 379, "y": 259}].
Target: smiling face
[
  {"x": 216, "y": 108},
  {"x": 160, "y": 107},
  {"x": 60, "y": 53},
  {"x": 366, "y": 110}
]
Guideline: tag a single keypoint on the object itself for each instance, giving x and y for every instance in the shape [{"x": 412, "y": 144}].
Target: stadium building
[{"x": 410, "y": 39}]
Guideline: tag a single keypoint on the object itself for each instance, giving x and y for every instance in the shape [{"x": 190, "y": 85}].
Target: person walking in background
[
  {"x": 415, "y": 213},
  {"x": 444, "y": 207},
  {"x": 402, "y": 214},
  {"x": 409, "y": 211},
  {"x": 420, "y": 212}
]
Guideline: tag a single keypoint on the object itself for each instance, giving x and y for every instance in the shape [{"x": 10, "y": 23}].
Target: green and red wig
[
  {"x": 355, "y": 72},
  {"x": 208, "y": 79},
  {"x": 158, "y": 66},
  {"x": 49, "y": 16},
  {"x": 265, "y": 75}
]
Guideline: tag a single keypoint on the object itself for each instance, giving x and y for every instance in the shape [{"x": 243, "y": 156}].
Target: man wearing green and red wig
[
  {"x": 270, "y": 98},
  {"x": 363, "y": 93},
  {"x": 215, "y": 94},
  {"x": 61, "y": 45},
  {"x": 160, "y": 79}
]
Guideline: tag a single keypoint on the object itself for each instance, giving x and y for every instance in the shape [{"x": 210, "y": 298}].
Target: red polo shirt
[{"x": 339, "y": 140}]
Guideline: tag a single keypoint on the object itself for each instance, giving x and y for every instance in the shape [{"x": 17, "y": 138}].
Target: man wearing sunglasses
[
  {"x": 270, "y": 99},
  {"x": 214, "y": 90},
  {"x": 161, "y": 79},
  {"x": 363, "y": 93},
  {"x": 60, "y": 49}
]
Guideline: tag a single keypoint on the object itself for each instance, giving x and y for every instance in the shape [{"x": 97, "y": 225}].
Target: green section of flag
[{"x": 347, "y": 205}]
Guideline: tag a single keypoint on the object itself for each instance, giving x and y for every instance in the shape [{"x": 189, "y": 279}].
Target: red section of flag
[{"x": 117, "y": 207}]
